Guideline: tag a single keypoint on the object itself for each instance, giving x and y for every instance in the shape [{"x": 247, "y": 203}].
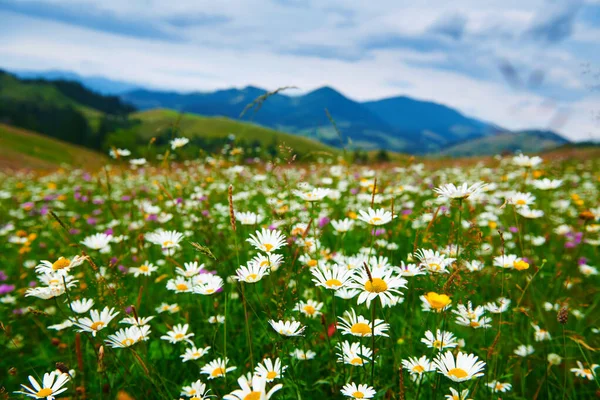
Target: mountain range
[{"x": 401, "y": 123}]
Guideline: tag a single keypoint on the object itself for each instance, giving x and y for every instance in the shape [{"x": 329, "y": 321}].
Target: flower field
[{"x": 219, "y": 279}]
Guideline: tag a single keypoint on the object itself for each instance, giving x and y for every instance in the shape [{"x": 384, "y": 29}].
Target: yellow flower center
[
  {"x": 419, "y": 369},
  {"x": 44, "y": 392},
  {"x": 144, "y": 268},
  {"x": 251, "y": 278},
  {"x": 60, "y": 264},
  {"x": 374, "y": 220},
  {"x": 268, "y": 247},
  {"x": 97, "y": 326},
  {"x": 356, "y": 361},
  {"x": 209, "y": 291},
  {"x": 309, "y": 309},
  {"x": 358, "y": 395},
  {"x": 437, "y": 344},
  {"x": 520, "y": 265},
  {"x": 360, "y": 328},
  {"x": 182, "y": 286},
  {"x": 437, "y": 301},
  {"x": 458, "y": 373},
  {"x": 127, "y": 342},
  {"x": 499, "y": 386},
  {"x": 252, "y": 396},
  {"x": 218, "y": 372},
  {"x": 179, "y": 336},
  {"x": 312, "y": 263},
  {"x": 333, "y": 282},
  {"x": 167, "y": 243},
  {"x": 377, "y": 285},
  {"x": 474, "y": 324},
  {"x": 521, "y": 202},
  {"x": 271, "y": 375}
]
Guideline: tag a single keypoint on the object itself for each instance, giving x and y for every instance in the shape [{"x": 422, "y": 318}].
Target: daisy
[
  {"x": 178, "y": 334},
  {"x": 62, "y": 266},
  {"x": 63, "y": 325},
  {"x": 497, "y": 386},
  {"x": 97, "y": 321},
  {"x": 467, "y": 316},
  {"x": 171, "y": 308},
  {"x": 410, "y": 269},
  {"x": 540, "y": 334},
  {"x": 267, "y": 240},
  {"x": 178, "y": 142},
  {"x": 116, "y": 153},
  {"x": 519, "y": 199},
  {"x": 216, "y": 368},
  {"x": 311, "y": 308},
  {"x": 346, "y": 294},
  {"x": 129, "y": 336},
  {"x": 436, "y": 302},
  {"x": 252, "y": 387},
  {"x": 216, "y": 319},
  {"x": 358, "y": 392},
  {"x": 270, "y": 370},
  {"x": 139, "y": 321},
  {"x": 180, "y": 285},
  {"x": 379, "y": 283},
  {"x": 168, "y": 240},
  {"x": 331, "y": 278},
  {"x": 526, "y": 161},
  {"x": 300, "y": 354},
  {"x": 375, "y": 217},
  {"x": 82, "y": 306},
  {"x": 474, "y": 265},
  {"x": 197, "y": 391},
  {"x": 248, "y": 218},
  {"x": 353, "y": 353},
  {"x": 580, "y": 371},
  {"x": 524, "y": 350},
  {"x": 251, "y": 273},
  {"x": 194, "y": 353},
  {"x": 343, "y": 225},
  {"x": 450, "y": 191},
  {"x": 433, "y": 261},
  {"x": 207, "y": 284},
  {"x": 144, "y": 269},
  {"x": 509, "y": 261},
  {"x": 500, "y": 306},
  {"x": 546, "y": 184},
  {"x": 454, "y": 395},
  {"x": 287, "y": 328},
  {"x": 316, "y": 194},
  {"x": 270, "y": 260},
  {"x": 52, "y": 385},
  {"x": 464, "y": 368},
  {"x": 588, "y": 270},
  {"x": 357, "y": 325},
  {"x": 417, "y": 367},
  {"x": 530, "y": 213},
  {"x": 99, "y": 241},
  {"x": 136, "y": 162},
  {"x": 440, "y": 341}
]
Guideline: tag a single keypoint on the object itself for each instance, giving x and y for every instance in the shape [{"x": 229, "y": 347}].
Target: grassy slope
[
  {"x": 153, "y": 121},
  {"x": 20, "y": 148}
]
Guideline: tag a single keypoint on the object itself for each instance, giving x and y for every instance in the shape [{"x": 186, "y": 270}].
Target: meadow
[{"x": 221, "y": 278}]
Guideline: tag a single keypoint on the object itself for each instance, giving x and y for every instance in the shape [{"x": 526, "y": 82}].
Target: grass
[{"x": 20, "y": 148}]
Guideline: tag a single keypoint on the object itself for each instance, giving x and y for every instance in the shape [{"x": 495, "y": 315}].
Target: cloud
[
  {"x": 452, "y": 26},
  {"x": 555, "y": 22},
  {"x": 195, "y": 19},
  {"x": 88, "y": 16}
]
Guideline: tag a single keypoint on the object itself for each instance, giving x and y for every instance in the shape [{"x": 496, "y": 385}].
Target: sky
[{"x": 520, "y": 64}]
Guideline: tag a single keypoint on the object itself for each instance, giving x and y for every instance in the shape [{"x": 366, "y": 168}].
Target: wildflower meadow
[{"x": 220, "y": 278}]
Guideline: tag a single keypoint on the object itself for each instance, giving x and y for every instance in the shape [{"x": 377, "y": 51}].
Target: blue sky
[{"x": 520, "y": 64}]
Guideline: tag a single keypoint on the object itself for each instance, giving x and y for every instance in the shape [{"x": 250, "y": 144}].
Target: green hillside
[
  {"x": 208, "y": 134},
  {"x": 526, "y": 141},
  {"x": 20, "y": 148}
]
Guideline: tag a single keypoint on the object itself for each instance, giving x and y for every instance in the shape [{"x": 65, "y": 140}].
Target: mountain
[
  {"x": 530, "y": 141},
  {"x": 98, "y": 84},
  {"x": 399, "y": 123}
]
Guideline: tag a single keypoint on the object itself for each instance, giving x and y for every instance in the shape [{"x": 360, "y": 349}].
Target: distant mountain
[
  {"x": 530, "y": 141},
  {"x": 96, "y": 83},
  {"x": 399, "y": 123}
]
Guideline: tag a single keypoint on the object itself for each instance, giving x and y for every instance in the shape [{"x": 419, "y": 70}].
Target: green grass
[
  {"x": 526, "y": 142},
  {"x": 153, "y": 122},
  {"x": 20, "y": 148}
]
